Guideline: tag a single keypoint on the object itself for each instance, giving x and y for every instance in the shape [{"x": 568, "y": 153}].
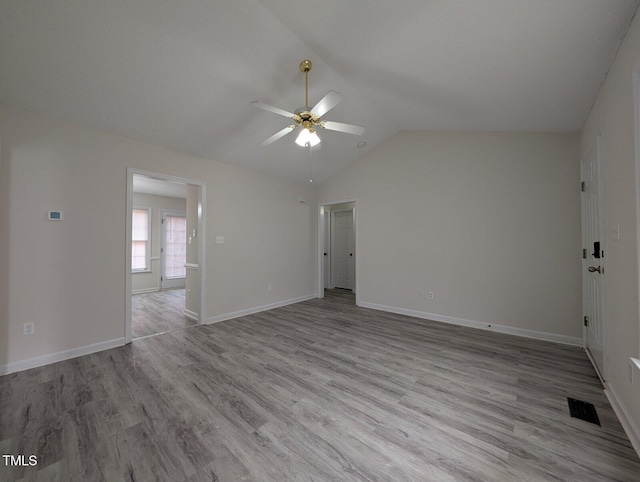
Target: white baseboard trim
[
  {"x": 258, "y": 309},
  {"x": 145, "y": 290},
  {"x": 625, "y": 418},
  {"x": 510, "y": 330},
  {"x": 59, "y": 356},
  {"x": 192, "y": 315}
]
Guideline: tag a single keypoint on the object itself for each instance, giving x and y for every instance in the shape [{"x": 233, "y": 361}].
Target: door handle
[
  {"x": 596, "y": 249},
  {"x": 593, "y": 269}
]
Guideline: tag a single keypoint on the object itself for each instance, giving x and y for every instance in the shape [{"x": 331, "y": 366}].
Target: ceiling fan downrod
[{"x": 305, "y": 66}]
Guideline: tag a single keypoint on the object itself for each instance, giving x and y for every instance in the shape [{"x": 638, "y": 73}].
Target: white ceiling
[{"x": 182, "y": 74}]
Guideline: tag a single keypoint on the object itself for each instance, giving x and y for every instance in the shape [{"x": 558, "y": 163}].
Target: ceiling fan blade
[
  {"x": 270, "y": 108},
  {"x": 340, "y": 127},
  {"x": 327, "y": 103},
  {"x": 277, "y": 135}
]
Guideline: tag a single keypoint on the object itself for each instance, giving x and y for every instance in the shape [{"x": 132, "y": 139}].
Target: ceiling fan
[{"x": 309, "y": 119}]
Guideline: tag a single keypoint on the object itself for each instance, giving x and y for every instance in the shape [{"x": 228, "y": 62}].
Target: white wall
[
  {"x": 489, "y": 222},
  {"x": 613, "y": 117},
  {"x": 69, "y": 277}
]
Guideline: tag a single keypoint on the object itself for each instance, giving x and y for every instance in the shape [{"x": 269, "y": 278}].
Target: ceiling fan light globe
[
  {"x": 307, "y": 137},
  {"x": 302, "y": 138},
  {"x": 314, "y": 140}
]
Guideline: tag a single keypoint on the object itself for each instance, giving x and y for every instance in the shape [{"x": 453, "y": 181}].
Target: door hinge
[
  {"x": 162, "y": 220},
  {"x": 584, "y": 253},
  {"x": 161, "y": 278},
  {"x": 583, "y": 186},
  {"x": 586, "y": 321}
]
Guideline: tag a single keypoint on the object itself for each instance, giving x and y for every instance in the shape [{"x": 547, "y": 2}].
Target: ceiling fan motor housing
[{"x": 304, "y": 118}]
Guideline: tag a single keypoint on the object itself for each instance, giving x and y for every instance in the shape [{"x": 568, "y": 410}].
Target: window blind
[{"x": 140, "y": 240}]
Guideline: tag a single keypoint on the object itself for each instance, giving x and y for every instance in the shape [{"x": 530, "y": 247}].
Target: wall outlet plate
[{"x": 28, "y": 328}]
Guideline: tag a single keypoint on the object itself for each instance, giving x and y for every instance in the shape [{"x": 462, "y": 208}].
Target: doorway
[
  {"x": 337, "y": 242},
  {"x": 165, "y": 253},
  {"x": 593, "y": 255}
]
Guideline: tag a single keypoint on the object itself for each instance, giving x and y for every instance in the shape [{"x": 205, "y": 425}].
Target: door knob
[
  {"x": 350, "y": 254},
  {"x": 593, "y": 269}
]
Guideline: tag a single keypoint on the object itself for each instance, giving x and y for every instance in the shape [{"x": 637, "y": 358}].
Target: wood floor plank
[
  {"x": 158, "y": 312},
  {"x": 320, "y": 390}
]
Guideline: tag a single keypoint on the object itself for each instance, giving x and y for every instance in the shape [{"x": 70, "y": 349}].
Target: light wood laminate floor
[
  {"x": 159, "y": 312},
  {"x": 316, "y": 391}
]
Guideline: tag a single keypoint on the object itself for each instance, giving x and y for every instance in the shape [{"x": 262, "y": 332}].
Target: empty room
[{"x": 320, "y": 241}]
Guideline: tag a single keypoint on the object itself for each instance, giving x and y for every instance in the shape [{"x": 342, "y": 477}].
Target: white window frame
[{"x": 147, "y": 268}]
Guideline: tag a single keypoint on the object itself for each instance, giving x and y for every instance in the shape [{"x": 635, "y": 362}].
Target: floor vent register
[{"x": 583, "y": 410}]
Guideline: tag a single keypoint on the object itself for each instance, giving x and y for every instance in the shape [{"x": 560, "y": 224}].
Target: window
[
  {"x": 141, "y": 240},
  {"x": 176, "y": 247}
]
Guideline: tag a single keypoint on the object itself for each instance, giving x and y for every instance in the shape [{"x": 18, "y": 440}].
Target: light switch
[{"x": 219, "y": 239}]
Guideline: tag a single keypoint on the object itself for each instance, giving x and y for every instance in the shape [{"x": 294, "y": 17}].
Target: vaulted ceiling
[{"x": 182, "y": 73}]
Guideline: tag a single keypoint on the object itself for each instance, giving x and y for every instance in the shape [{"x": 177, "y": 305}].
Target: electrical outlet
[
  {"x": 431, "y": 295},
  {"x": 188, "y": 293},
  {"x": 269, "y": 288},
  {"x": 28, "y": 328}
]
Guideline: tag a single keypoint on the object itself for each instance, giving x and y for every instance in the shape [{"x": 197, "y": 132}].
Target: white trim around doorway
[
  {"x": 321, "y": 247},
  {"x": 202, "y": 231}
]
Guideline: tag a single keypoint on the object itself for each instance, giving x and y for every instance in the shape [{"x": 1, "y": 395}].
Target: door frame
[
  {"x": 636, "y": 112},
  {"x": 595, "y": 146},
  {"x": 202, "y": 233},
  {"x": 326, "y": 239},
  {"x": 163, "y": 239},
  {"x": 321, "y": 248}
]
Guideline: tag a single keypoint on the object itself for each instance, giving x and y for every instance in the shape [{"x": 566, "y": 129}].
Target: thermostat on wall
[{"x": 54, "y": 215}]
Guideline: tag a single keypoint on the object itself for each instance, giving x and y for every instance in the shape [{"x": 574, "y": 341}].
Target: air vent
[{"x": 583, "y": 410}]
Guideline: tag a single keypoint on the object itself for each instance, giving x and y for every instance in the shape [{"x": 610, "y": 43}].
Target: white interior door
[
  {"x": 342, "y": 252},
  {"x": 173, "y": 250},
  {"x": 593, "y": 257}
]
